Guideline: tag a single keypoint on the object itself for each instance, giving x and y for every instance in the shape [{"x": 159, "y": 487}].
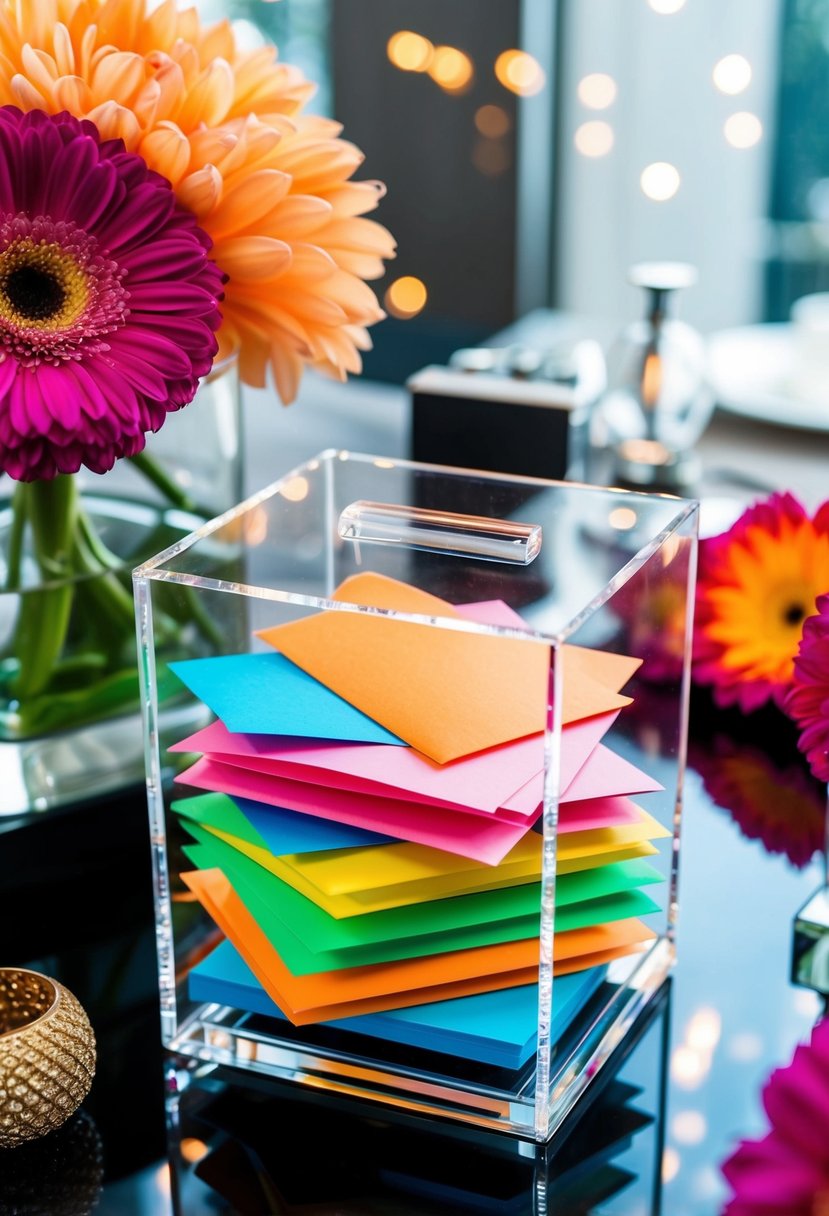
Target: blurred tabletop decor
[
  {"x": 167, "y": 212},
  {"x": 787, "y": 1170},
  {"x": 47, "y": 1055}
]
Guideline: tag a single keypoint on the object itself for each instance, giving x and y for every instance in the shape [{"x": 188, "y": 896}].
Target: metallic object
[
  {"x": 657, "y": 402},
  {"x": 517, "y": 408},
  {"x": 47, "y": 1055},
  {"x": 810, "y": 944}
]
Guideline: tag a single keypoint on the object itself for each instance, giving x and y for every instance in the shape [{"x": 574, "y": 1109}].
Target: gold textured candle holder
[{"x": 47, "y": 1055}]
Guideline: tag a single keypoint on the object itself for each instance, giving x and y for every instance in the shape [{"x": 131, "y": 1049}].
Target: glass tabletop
[{"x": 654, "y": 1129}]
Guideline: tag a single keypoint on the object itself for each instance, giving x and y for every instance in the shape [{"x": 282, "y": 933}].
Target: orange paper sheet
[
  {"x": 343, "y": 993},
  {"x": 445, "y": 692}
]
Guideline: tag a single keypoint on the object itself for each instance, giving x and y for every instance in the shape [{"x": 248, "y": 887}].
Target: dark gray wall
[{"x": 455, "y": 226}]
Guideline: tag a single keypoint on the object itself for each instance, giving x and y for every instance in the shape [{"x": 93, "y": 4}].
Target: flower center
[
  {"x": 34, "y": 293},
  {"x": 794, "y": 614},
  {"x": 60, "y": 295},
  {"x": 42, "y": 286}
]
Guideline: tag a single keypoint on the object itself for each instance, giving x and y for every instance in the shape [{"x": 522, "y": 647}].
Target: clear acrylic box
[{"x": 430, "y": 976}]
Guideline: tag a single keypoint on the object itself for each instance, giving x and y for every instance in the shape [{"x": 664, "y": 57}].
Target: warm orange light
[
  {"x": 651, "y": 380},
  {"x": 409, "y": 51},
  {"x": 520, "y": 72},
  {"x": 295, "y": 489},
  {"x": 193, "y": 1150},
  {"x": 492, "y": 121},
  {"x": 491, "y": 157},
  {"x": 406, "y": 297},
  {"x": 451, "y": 69}
]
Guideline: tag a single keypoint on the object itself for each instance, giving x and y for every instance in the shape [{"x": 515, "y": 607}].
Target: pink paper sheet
[
  {"x": 596, "y": 813},
  {"x": 603, "y": 775},
  {"x": 483, "y": 838},
  {"x": 482, "y": 782}
]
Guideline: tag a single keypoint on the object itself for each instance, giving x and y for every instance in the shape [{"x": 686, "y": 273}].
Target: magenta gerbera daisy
[
  {"x": 808, "y": 699},
  {"x": 757, "y": 584},
  {"x": 108, "y": 299},
  {"x": 786, "y": 1173}
]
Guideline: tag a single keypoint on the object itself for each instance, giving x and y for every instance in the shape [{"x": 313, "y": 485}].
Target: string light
[
  {"x": 597, "y": 91},
  {"x": 451, "y": 69},
  {"x": 491, "y": 157},
  {"x": 406, "y": 297},
  {"x": 743, "y": 130},
  {"x": 594, "y": 138},
  {"x": 520, "y": 72},
  {"x": 409, "y": 51},
  {"x": 732, "y": 74},
  {"x": 670, "y": 1165},
  {"x": 660, "y": 181},
  {"x": 492, "y": 121},
  {"x": 689, "y": 1127}
]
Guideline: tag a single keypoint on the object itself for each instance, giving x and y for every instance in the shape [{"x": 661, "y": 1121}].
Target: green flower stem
[
  {"x": 16, "y": 533},
  {"x": 51, "y": 508},
  {"x": 162, "y": 481},
  {"x": 109, "y": 595}
]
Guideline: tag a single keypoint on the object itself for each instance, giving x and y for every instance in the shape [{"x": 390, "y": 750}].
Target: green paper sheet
[
  {"x": 220, "y": 812},
  {"x": 310, "y": 941}
]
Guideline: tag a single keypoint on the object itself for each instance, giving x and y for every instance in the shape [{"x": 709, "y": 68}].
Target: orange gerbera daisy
[
  {"x": 269, "y": 185},
  {"x": 757, "y": 584}
]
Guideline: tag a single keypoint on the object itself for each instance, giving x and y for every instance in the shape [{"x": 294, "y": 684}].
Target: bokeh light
[
  {"x": 688, "y": 1067},
  {"x": 622, "y": 518},
  {"x": 451, "y": 69},
  {"x": 597, "y": 91},
  {"x": 689, "y": 1127},
  {"x": 520, "y": 72},
  {"x": 704, "y": 1029},
  {"x": 732, "y": 74},
  {"x": 492, "y": 121},
  {"x": 593, "y": 138},
  {"x": 670, "y": 1164},
  {"x": 491, "y": 157},
  {"x": 406, "y": 297},
  {"x": 409, "y": 51},
  {"x": 660, "y": 181},
  {"x": 743, "y": 130}
]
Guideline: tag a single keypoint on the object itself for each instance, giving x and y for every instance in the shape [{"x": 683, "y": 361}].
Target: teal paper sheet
[{"x": 497, "y": 1028}]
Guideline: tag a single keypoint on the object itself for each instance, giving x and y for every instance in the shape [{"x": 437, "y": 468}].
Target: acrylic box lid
[{"x": 554, "y": 552}]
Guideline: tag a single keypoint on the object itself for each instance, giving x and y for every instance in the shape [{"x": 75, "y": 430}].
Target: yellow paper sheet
[
  {"x": 351, "y": 882},
  {"x": 445, "y": 692}
]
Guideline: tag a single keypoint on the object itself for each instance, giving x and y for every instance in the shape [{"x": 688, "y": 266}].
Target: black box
[{"x": 530, "y": 427}]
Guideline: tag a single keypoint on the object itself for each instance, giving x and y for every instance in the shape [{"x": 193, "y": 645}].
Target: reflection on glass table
[
  {"x": 252, "y": 1148},
  {"x": 734, "y": 1015}
]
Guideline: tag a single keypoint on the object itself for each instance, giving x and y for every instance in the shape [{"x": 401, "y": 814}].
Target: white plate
[{"x": 750, "y": 370}]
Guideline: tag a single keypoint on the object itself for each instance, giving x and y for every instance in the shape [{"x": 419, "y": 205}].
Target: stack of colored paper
[{"x": 364, "y": 838}]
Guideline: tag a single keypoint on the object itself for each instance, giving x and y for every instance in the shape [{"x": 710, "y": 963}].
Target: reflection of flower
[
  {"x": 655, "y": 628},
  {"x": 787, "y": 1171},
  {"x": 269, "y": 185},
  {"x": 757, "y": 584},
  {"x": 808, "y": 700},
  {"x": 108, "y": 302},
  {"x": 779, "y": 805}
]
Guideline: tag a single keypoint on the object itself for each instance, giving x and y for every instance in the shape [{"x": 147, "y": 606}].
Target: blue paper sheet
[
  {"x": 287, "y": 832},
  {"x": 497, "y": 1028},
  {"x": 266, "y": 694}
]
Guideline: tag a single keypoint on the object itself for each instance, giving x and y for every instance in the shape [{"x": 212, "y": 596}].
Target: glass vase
[{"x": 70, "y": 727}]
